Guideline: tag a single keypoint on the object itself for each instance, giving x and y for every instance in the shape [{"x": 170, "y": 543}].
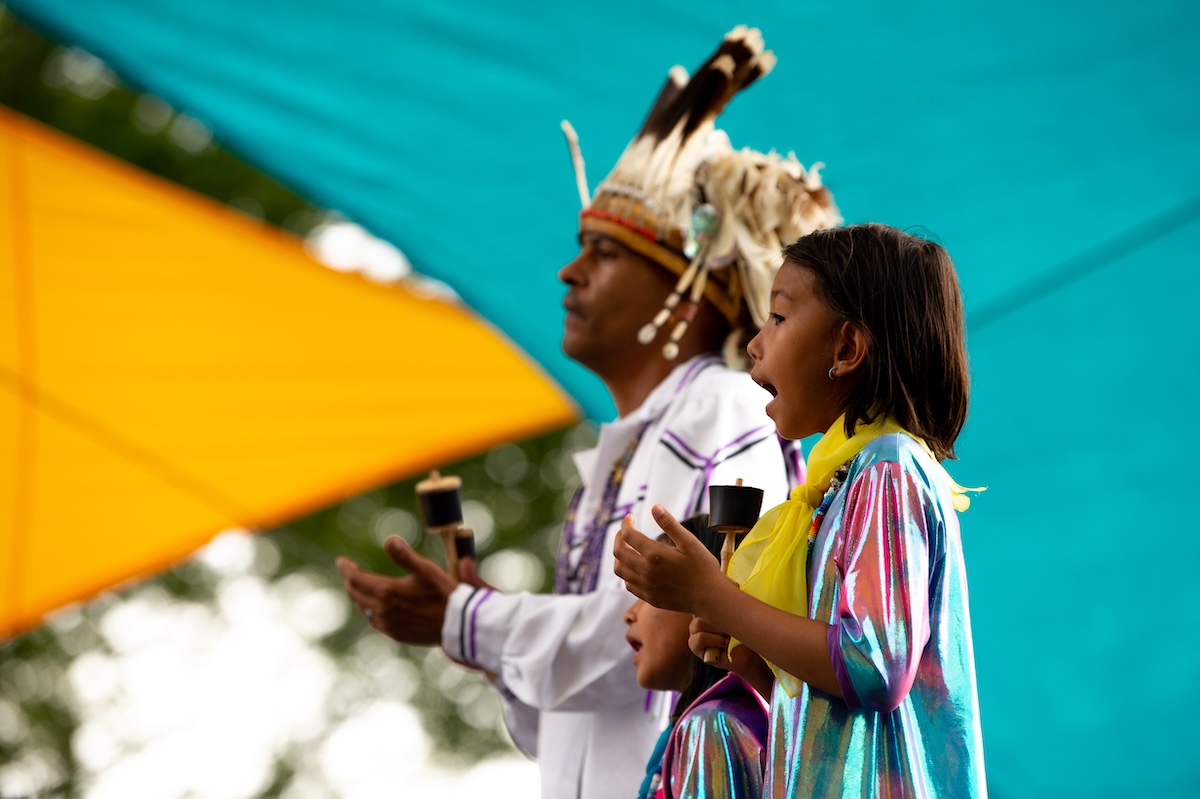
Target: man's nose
[{"x": 572, "y": 272}]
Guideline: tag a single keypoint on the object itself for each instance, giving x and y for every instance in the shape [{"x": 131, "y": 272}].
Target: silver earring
[{"x": 832, "y": 372}]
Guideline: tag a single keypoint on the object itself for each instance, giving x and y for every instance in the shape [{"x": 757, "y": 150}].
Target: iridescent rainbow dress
[
  {"x": 886, "y": 572},
  {"x": 717, "y": 749}
]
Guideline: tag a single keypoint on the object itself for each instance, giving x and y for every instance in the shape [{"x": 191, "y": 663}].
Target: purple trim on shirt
[
  {"x": 649, "y": 701},
  {"x": 793, "y": 460},
  {"x": 471, "y": 631},
  {"x": 833, "y": 637},
  {"x": 706, "y": 465},
  {"x": 700, "y": 363},
  {"x": 742, "y": 438},
  {"x": 673, "y": 436},
  {"x": 702, "y": 481},
  {"x": 683, "y": 445}
]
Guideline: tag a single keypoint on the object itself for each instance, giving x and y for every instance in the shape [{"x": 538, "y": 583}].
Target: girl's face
[
  {"x": 793, "y": 353},
  {"x": 660, "y": 646}
]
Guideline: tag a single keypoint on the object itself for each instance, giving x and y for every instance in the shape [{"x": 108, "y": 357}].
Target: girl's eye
[
  {"x": 776, "y": 318},
  {"x": 607, "y": 255}
]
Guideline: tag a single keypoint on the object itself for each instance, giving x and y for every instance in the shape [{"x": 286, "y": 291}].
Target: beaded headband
[{"x": 681, "y": 196}]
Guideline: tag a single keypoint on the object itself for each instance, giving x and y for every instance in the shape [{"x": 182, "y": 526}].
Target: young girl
[
  {"x": 715, "y": 745},
  {"x": 853, "y": 592}
]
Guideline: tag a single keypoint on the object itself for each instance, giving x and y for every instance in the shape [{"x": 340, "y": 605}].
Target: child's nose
[
  {"x": 631, "y": 613},
  {"x": 753, "y": 348}
]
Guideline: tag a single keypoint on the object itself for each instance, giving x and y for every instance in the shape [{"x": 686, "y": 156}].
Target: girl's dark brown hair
[{"x": 902, "y": 292}]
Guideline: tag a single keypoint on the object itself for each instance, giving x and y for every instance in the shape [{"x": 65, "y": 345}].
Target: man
[{"x": 677, "y": 251}]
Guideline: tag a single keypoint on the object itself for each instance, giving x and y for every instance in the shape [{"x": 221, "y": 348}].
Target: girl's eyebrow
[{"x": 780, "y": 293}]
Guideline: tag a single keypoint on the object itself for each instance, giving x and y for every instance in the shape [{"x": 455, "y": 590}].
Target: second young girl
[
  {"x": 854, "y": 591},
  {"x": 715, "y": 745}
]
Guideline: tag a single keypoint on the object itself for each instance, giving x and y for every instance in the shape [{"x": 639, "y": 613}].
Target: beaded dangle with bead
[{"x": 705, "y": 224}]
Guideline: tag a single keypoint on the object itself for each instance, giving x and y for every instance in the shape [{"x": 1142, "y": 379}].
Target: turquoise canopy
[{"x": 1051, "y": 146}]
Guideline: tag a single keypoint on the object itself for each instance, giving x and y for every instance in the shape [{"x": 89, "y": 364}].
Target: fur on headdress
[{"x": 684, "y": 198}]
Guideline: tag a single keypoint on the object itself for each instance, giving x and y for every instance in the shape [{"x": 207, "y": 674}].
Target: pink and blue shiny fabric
[
  {"x": 717, "y": 749},
  {"x": 887, "y": 574}
]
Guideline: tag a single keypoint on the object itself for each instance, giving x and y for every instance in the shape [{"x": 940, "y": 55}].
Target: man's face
[{"x": 612, "y": 292}]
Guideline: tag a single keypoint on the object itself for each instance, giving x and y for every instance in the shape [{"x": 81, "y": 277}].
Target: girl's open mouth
[{"x": 770, "y": 389}]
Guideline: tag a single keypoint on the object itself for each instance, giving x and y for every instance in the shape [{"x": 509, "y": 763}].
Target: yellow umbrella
[{"x": 170, "y": 369}]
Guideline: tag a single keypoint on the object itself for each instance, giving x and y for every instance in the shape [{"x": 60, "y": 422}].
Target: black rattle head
[
  {"x": 440, "y": 499},
  {"x": 733, "y": 509}
]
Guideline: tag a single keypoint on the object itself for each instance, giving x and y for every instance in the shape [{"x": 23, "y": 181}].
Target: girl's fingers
[
  {"x": 655, "y": 571},
  {"x": 624, "y": 551},
  {"x": 685, "y": 542},
  {"x": 711, "y": 648},
  {"x": 671, "y": 526},
  {"x": 699, "y": 625},
  {"x": 630, "y": 538},
  {"x": 629, "y": 563}
]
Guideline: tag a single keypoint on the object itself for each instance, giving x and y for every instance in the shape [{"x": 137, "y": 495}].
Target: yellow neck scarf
[{"x": 771, "y": 564}]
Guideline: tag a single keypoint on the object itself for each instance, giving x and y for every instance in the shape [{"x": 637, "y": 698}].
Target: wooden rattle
[
  {"x": 440, "y": 500},
  {"x": 732, "y": 510}
]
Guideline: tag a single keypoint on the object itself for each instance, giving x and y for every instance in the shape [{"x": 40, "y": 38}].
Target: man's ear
[{"x": 850, "y": 349}]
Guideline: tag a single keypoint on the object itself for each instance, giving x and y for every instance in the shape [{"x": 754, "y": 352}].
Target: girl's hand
[
  {"x": 703, "y": 637},
  {"x": 750, "y": 666},
  {"x": 683, "y": 577},
  {"x": 746, "y": 663}
]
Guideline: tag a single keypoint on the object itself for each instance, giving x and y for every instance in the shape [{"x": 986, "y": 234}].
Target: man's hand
[
  {"x": 468, "y": 573},
  {"x": 409, "y": 609}
]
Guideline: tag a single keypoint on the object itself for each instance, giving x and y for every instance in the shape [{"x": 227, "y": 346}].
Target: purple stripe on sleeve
[
  {"x": 474, "y": 611},
  {"x": 834, "y": 639}
]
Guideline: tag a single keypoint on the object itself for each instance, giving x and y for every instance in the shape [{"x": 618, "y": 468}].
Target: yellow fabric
[
  {"x": 771, "y": 562},
  {"x": 170, "y": 369}
]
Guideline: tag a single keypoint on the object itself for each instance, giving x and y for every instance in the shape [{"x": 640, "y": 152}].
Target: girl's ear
[{"x": 850, "y": 349}]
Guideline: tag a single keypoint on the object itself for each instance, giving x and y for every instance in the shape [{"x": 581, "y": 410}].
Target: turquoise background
[{"x": 1054, "y": 148}]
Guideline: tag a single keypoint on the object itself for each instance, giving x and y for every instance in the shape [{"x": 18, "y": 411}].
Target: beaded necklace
[
  {"x": 581, "y": 578},
  {"x": 835, "y": 483}
]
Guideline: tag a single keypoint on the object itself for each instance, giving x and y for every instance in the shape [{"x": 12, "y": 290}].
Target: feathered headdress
[{"x": 684, "y": 198}]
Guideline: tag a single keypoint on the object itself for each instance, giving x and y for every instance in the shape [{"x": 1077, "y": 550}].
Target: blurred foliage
[{"x": 515, "y": 496}]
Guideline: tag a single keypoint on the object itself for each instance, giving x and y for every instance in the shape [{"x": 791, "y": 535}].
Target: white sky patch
[{"x": 347, "y": 247}]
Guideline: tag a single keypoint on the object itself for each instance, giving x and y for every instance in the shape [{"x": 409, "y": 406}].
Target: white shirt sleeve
[
  {"x": 521, "y": 720},
  {"x": 552, "y": 652}
]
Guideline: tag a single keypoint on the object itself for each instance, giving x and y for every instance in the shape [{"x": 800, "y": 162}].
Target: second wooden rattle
[
  {"x": 440, "y": 500},
  {"x": 732, "y": 510}
]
